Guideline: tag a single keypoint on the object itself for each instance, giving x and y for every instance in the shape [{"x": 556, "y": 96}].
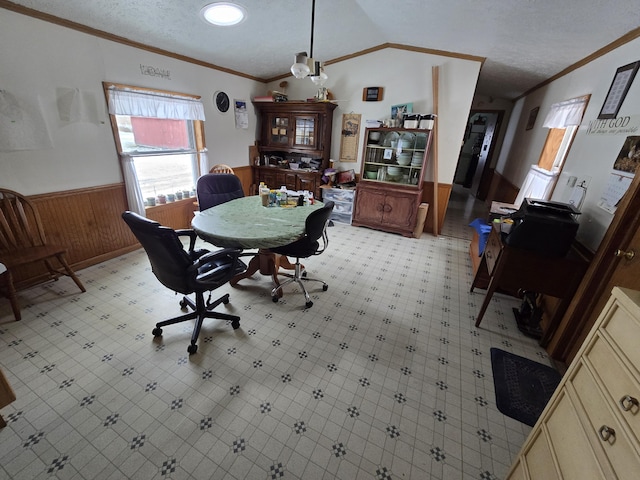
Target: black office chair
[
  {"x": 307, "y": 246},
  {"x": 186, "y": 272},
  {"x": 215, "y": 188}
]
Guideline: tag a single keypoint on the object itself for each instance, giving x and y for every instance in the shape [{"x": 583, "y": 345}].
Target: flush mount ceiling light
[
  {"x": 304, "y": 65},
  {"x": 223, "y": 14}
]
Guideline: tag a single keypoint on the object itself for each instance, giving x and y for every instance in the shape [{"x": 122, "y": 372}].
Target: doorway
[{"x": 475, "y": 162}]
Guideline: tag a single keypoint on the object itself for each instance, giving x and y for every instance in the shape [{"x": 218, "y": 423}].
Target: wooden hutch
[{"x": 294, "y": 132}]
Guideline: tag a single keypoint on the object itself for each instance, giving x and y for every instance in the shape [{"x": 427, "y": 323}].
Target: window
[
  {"x": 163, "y": 150},
  {"x": 159, "y": 140}
]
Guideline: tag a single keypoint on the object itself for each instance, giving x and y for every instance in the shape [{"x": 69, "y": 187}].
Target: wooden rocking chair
[{"x": 22, "y": 241}]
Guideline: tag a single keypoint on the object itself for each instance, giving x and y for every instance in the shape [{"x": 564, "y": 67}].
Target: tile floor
[{"x": 385, "y": 377}]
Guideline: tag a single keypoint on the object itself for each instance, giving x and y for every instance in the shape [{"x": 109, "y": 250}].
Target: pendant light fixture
[{"x": 304, "y": 65}]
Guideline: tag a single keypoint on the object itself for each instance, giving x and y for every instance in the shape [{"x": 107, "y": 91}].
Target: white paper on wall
[{"x": 22, "y": 125}]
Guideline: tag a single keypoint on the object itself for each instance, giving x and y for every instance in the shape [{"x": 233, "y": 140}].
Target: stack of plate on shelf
[
  {"x": 416, "y": 159},
  {"x": 394, "y": 173},
  {"x": 404, "y": 158}
]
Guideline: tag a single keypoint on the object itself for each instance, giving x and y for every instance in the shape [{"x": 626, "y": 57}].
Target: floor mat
[{"x": 523, "y": 387}]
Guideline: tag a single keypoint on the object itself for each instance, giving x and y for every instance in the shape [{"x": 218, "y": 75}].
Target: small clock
[{"x": 221, "y": 100}]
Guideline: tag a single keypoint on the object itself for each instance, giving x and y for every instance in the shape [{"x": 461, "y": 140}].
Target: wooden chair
[
  {"x": 22, "y": 242},
  {"x": 221, "y": 168}
]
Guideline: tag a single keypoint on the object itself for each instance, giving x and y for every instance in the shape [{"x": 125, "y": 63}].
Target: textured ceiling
[{"x": 524, "y": 41}]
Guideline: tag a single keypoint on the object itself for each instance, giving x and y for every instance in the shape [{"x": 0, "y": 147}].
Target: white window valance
[
  {"x": 567, "y": 113},
  {"x": 138, "y": 103}
]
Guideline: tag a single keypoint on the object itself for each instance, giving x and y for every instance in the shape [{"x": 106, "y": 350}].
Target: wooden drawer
[
  {"x": 492, "y": 250},
  {"x": 624, "y": 331},
  {"x": 569, "y": 442},
  {"x": 619, "y": 450},
  {"x": 618, "y": 382}
]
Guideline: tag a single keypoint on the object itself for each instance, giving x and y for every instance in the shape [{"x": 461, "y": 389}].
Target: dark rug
[{"x": 523, "y": 387}]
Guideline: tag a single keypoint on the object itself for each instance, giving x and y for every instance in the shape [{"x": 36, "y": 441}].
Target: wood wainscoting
[
  {"x": 88, "y": 222},
  {"x": 444, "y": 192},
  {"x": 501, "y": 190}
]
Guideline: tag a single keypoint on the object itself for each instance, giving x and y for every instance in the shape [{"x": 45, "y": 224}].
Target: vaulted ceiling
[{"x": 525, "y": 42}]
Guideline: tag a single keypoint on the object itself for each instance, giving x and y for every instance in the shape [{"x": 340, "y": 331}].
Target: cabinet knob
[
  {"x": 380, "y": 207},
  {"x": 628, "y": 402},
  {"x": 387, "y": 207},
  {"x": 607, "y": 433},
  {"x": 628, "y": 255}
]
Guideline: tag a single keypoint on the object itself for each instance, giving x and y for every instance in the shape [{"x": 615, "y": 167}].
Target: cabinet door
[
  {"x": 305, "y": 132},
  {"x": 400, "y": 210},
  {"x": 369, "y": 206},
  {"x": 269, "y": 178},
  {"x": 306, "y": 182},
  {"x": 278, "y": 130}
]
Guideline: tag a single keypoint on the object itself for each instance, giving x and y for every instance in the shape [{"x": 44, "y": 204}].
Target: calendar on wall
[{"x": 624, "y": 169}]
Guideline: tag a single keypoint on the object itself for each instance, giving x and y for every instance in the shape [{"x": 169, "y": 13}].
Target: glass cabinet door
[
  {"x": 305, "y": 134},
  {"x": 279, "y": 130},
  {"x": 397, "y": 156}
]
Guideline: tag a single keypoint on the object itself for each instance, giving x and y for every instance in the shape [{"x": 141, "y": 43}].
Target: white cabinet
[{"x": 591, "y": 426}]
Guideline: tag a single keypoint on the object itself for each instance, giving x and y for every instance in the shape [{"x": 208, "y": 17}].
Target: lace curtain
[
  {"x": 567, "y": 113},
  {"x": 155, "y": 105}
]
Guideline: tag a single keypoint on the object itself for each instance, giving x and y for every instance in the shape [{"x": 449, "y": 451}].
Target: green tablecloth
[{"x": 245, "y": 223}]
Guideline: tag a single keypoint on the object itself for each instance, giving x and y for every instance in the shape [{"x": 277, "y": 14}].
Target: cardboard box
[
  {"x": 6, "y": 392},
  {"x": 422, "y": 216}
]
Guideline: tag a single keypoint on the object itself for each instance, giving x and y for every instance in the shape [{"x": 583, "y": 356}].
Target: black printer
[{"x": 547, "y": 228}]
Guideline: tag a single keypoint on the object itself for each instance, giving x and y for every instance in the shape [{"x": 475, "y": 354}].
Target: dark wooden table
[{"x": 512, "y": 269}]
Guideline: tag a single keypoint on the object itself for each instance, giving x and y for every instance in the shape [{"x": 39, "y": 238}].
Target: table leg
[
  {"x": 267, "y": 263},
  {"x": 487, "y": 298},
  {"x": 253, "y": 267}
]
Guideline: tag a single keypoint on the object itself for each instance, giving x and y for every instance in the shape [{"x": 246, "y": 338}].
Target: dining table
[{"x": 245, "y": 223}]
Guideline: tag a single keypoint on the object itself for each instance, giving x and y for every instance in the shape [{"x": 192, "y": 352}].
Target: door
[
  {"x": 400, "y": 210},
  {"x": 305, "y": 133},
  {"x": 369, "y": 206},
  {"x": 605, "y": 271}
]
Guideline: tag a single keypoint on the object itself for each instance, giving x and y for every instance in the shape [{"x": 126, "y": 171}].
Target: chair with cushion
[
  {"x": 216, "y": 188},
  {"x": 23, "y": 242},
  {"x": 186, "y": 271},
  {"x": 305, "y": 247}
]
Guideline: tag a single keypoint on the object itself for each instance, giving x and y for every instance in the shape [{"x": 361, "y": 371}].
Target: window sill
[{"x": 169, "y": 205}]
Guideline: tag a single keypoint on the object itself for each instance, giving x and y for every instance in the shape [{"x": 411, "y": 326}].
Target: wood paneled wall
[
  {"x": 86, "y": 221},
  {"x": 444, "y": 192},
  {"x": 501, "y": 190}
]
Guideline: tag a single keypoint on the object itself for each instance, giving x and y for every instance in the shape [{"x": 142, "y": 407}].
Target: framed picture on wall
[
  {"x": 622, "y": 80},
  {"x": 399, "y": 111},
  {"x": 533, "y": 114}
]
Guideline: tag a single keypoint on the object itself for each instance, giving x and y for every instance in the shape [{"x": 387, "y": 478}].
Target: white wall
[
  {"x": 37, "y": 57},
  {"x": 406, "y": 77},
  {"x": 590, "y": 155}
]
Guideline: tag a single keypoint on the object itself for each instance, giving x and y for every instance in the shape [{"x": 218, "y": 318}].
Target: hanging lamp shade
[{"x": 300, "y": 67}]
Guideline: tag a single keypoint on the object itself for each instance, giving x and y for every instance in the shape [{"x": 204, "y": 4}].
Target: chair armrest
[
  {"x": 225, "y": 252},
  {"x": 187, "y": 232}
]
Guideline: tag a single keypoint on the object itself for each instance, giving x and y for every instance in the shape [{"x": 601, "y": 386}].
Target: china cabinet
[
  {"x": 392, "y": 172},
  {"x": 591, "y": 426},
  {"x": 298, "y": 133}
]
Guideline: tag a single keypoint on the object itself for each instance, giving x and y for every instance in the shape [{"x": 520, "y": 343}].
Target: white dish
[{"x": 389, "y": 137}]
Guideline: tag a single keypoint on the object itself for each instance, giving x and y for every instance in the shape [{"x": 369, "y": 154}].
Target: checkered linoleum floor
[{"x": 385, "y": 377}]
